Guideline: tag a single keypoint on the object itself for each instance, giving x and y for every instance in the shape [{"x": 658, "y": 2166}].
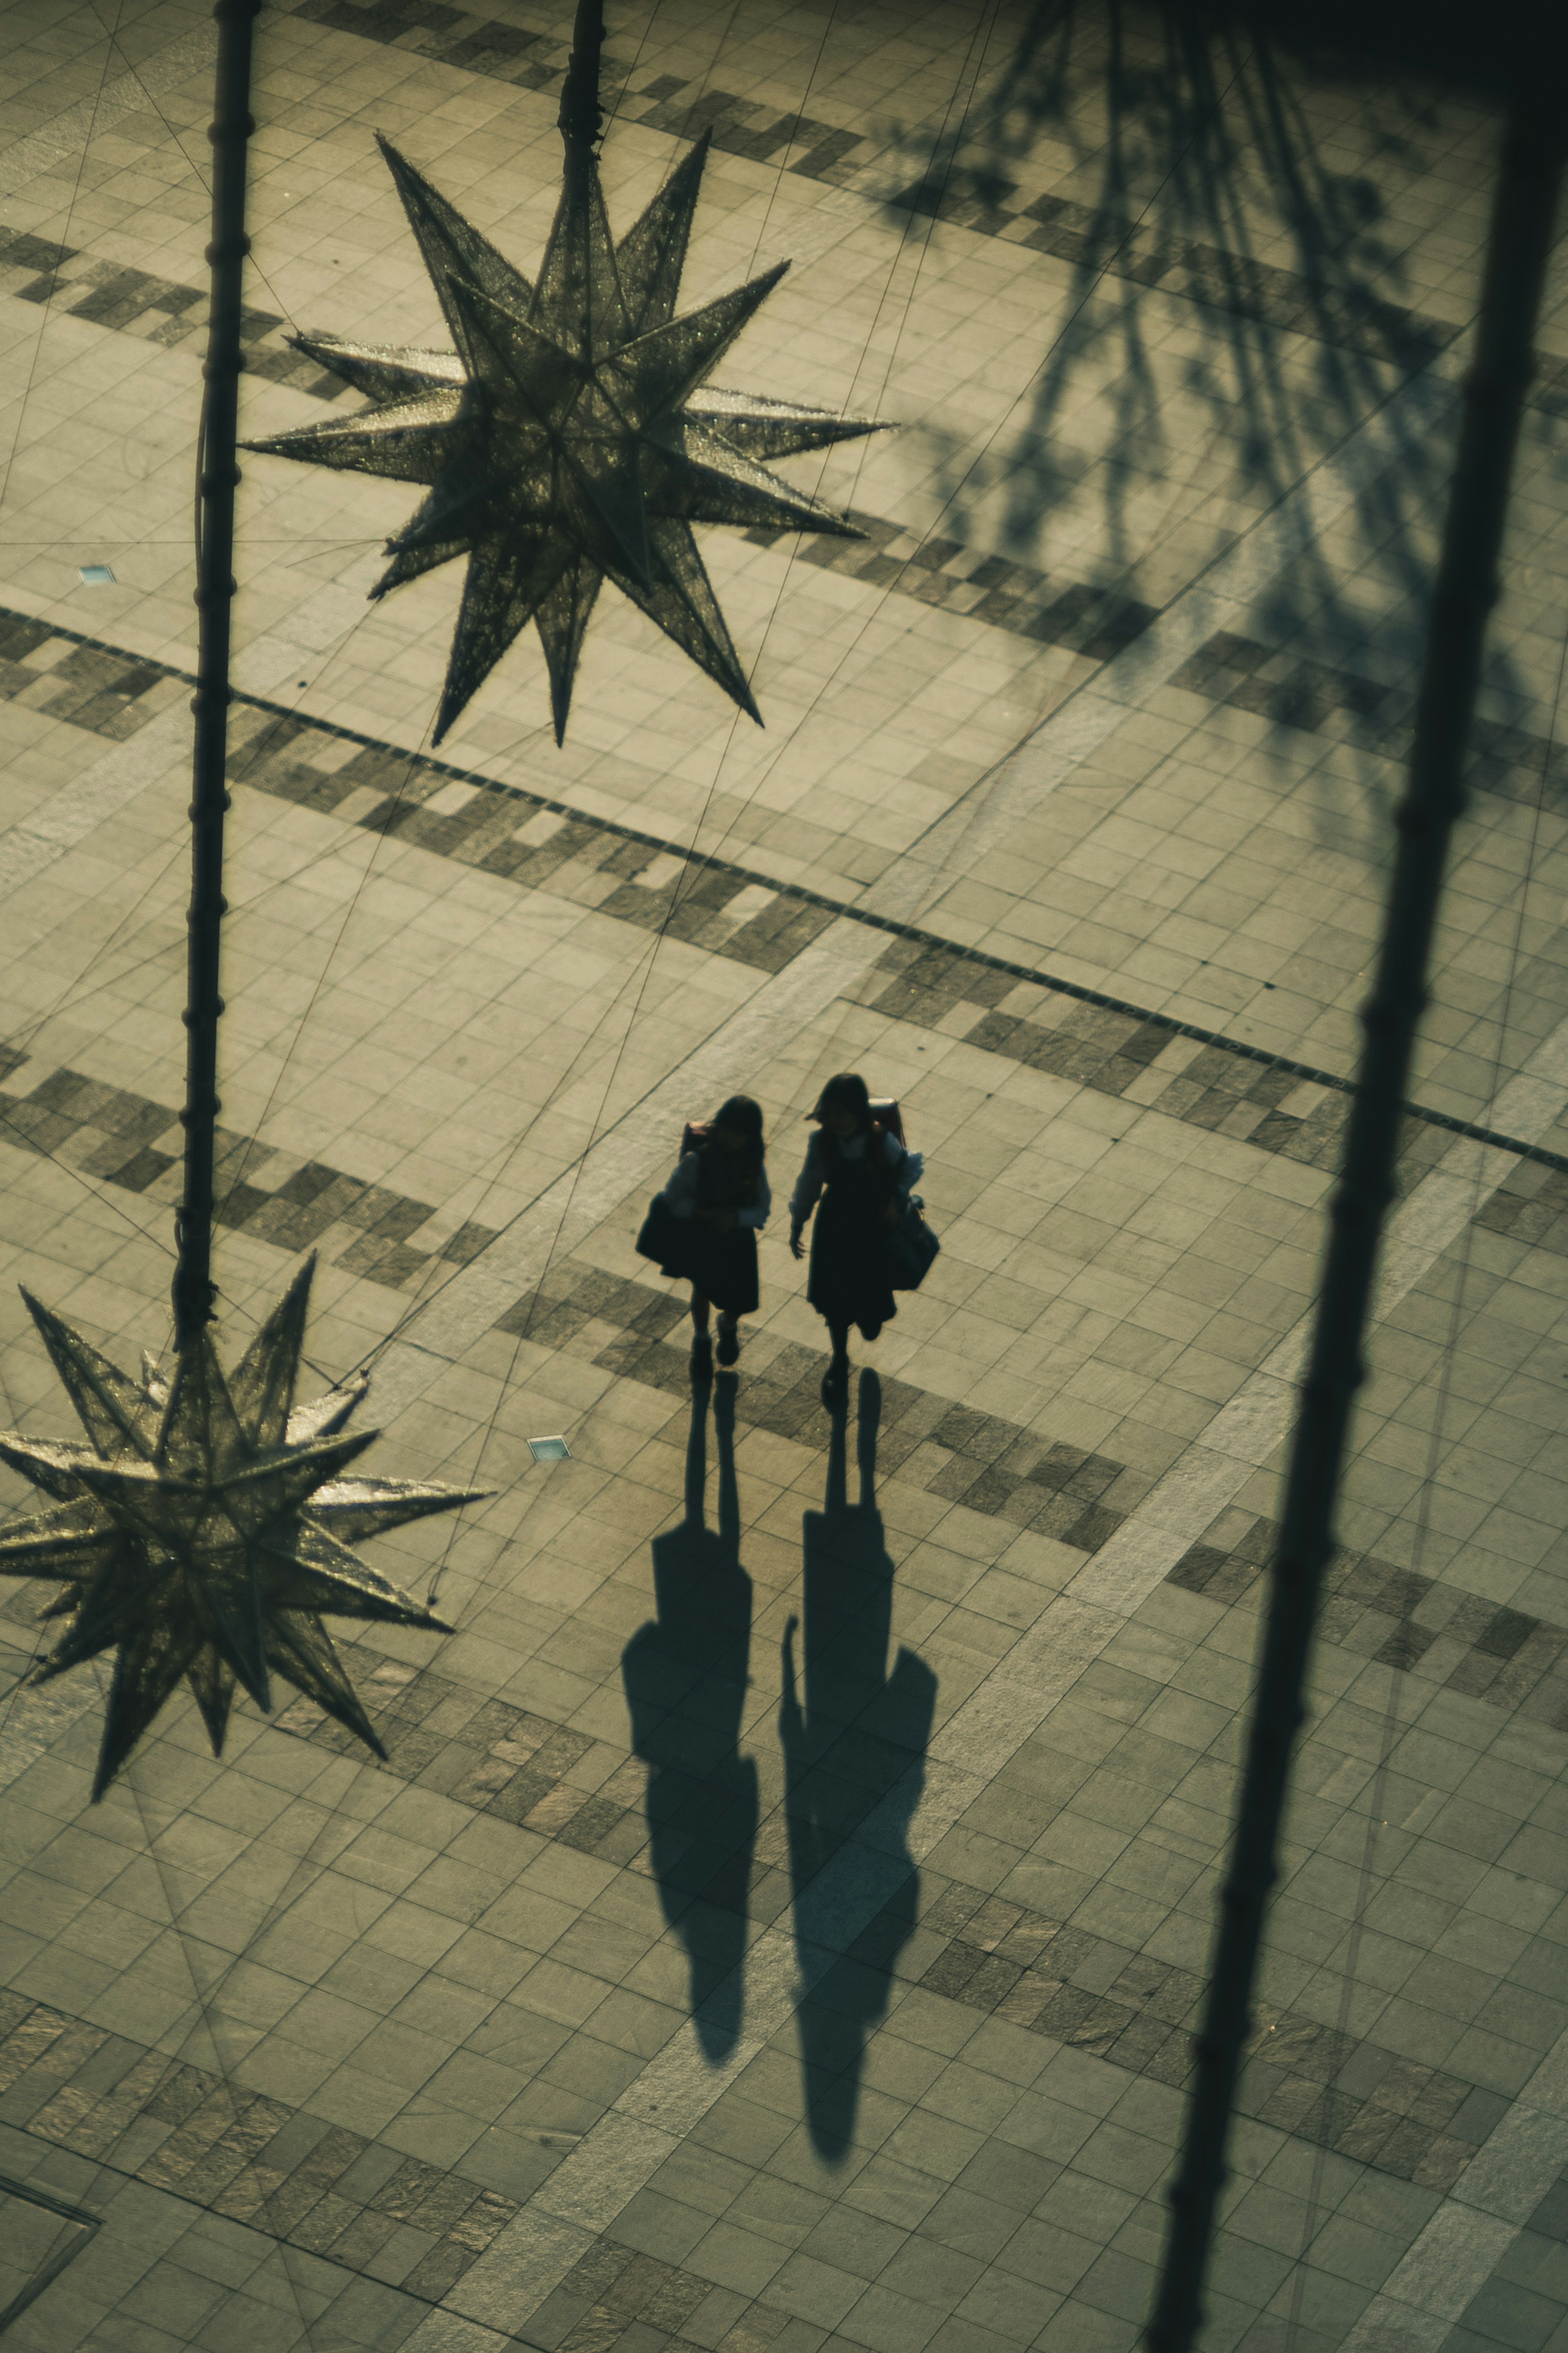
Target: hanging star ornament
[
  {"x": 205, "y": 1527},
  {"x": 572, "y": 437}
]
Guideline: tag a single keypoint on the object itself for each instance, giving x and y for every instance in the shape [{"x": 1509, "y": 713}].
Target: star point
[
  {"x": 205, "y": 1526},
  {"x": 572, "y": 436}
]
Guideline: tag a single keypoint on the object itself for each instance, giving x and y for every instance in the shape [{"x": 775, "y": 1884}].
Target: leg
[
  {"x": 835, "y": 1379},
  {"x": 729, "y": 1338},
  {"x": 702, "y": 1346}
]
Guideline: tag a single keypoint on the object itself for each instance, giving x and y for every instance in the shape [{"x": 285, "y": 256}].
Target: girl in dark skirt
[
  {"x": 862, "y": 1175},
  {"x": 718, "y": 1198}
]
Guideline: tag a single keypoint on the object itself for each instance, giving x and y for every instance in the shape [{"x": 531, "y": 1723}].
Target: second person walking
[{"x": 862, "y": 1174}]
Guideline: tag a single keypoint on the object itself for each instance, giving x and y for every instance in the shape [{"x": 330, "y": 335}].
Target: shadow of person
[
  {"x": 685, "y": 1678},
  {"x": 856, "y": 1748}
]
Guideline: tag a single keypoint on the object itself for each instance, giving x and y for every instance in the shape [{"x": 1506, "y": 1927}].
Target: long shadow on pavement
[
  {"x": 856, "y": 1747},
  {"x": 685, "y": 1676}
]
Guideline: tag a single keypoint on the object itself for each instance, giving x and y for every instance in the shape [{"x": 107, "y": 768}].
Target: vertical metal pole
[
  {"x": 217, "y": 474},
  {"x": 1464, "y": 594},
  {"x": 580, "y": 119}
]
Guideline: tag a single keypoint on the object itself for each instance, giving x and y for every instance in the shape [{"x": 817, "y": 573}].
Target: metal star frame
[
  {"x": 205, "y": 1526},
  {"x": 572, "y": 437}
]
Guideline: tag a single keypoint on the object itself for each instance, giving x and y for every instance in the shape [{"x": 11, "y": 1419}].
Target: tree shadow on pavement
[{"x": 1163, "y": 148}]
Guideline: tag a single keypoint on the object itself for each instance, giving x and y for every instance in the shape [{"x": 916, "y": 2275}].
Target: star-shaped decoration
[
  {"x": 205, "y": 1527},
  {"x": 572, "y": 437}
]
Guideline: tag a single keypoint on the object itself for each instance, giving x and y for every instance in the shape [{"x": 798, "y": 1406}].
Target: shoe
[
  {"x": 836, "y": 1384},
  {"x": 728, "y": 1341},
  {"x": 702, "y": 1357}
]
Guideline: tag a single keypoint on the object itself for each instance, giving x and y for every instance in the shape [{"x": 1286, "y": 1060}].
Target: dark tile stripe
[
  {"x": 1108, "y": 1047},
  {"x": 256, "y": 2160},
  {"x": 1416, "y": 2122},
  {"x": 1531, "y": 1208},
  {"x": 1320, "y": 700},
  {"x": 616, "y": 2297},
  {"x": 1117, "y": 247},
  {"x": 988, "y": 1464},
  {"x": 1098, "y": 623},
  {"x": 1005, "y": 1471},
  {"x": 182, "y": 2129},
  {"x": 1522, "y": 2303},
  {"x": 277, "y": 760},
  {"x": 1016, "y": 598},
  {"x": 1395, "y": 1615},
  {"x": 987, "y": 203},
  {"x": 131, "y": 1141},
  {"x": 579, "y": 859},
  {"x": 154, "y": 310}
]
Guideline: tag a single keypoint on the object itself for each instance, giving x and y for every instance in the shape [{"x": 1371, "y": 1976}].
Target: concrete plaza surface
[{"x": 780, "y": 1917}]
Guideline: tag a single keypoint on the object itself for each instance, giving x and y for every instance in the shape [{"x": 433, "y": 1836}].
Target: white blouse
[
  {"x": 681, "y": 1193},
  {"x": 813, "y": 1177}
]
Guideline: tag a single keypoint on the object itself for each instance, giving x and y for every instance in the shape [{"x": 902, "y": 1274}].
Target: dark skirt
[
  {"x": 849, "y": 1281},
  {"x": 723, "y": 1267}
]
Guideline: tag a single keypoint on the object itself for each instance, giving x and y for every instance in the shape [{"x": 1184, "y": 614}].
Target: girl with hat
[{"x": 861, "y": 1175}]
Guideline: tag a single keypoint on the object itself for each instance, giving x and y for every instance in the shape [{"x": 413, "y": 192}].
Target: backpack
[{"x": 912, "y": 1246}]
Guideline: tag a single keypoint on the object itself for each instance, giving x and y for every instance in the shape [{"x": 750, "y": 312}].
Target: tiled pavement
[
  {"x": 793, "y": 823},
  {"x": 1364, "y": 711},
  {"x": 894, "y": 2013},
  {"x": 182, "y": 2128},
  {"x": 735, "y": 912}
]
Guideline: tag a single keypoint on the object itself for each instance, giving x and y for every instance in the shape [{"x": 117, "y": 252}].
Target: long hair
[
  {"x": 743, "y": 1117},
  {"x": 847, "y": 1092}
]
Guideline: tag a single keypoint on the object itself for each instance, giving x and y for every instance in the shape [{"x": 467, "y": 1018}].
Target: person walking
[
  {"x": 717, "y": 1200},
  {"x": 861, "y": 1175}
]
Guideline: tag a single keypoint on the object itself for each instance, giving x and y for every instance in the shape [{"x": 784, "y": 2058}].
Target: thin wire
[
  {"x": 1131, "y": 229},
  {"x": 151, "y": 1844},
  {"x": 338, "y": 847},
  {"x": 48, "y": 298},
  {"x": 924, "y": 247},
  {"x": 875, "y": 612},
  {"x": 242, "y": 1160},
  {"x": 245, "y": 1159},
  {"x": 297, "y": 1880},
  {"x": 411, "y": 761},
  {"x": 110, "y": 46},
  {"x": 205, "y": 2004},
  {"x": 413, "y": 758},
  {"x": 1391, "y": 1722},
  {"x": 1118, "y": 247},
  {"x": 580, "y": 1164},
  {"x": 192, "y": 163},
  {"x": 40, "y": 1152},
  {"x": 427, "y": 1299}
]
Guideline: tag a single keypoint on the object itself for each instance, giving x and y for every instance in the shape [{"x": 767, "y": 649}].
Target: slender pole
[
  {"x": 218, "y": 475},
  {"x": 580, "y": 119},
  {"x": 1464, "y": 592}
]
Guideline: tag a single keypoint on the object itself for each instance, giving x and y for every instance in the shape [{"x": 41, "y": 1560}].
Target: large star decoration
[
  {"x": 205, "y": 1526},
  {"x": 570, "y": 439}
]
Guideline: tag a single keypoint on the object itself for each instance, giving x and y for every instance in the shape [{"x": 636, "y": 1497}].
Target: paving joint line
[{"x": 868, "y": 918}]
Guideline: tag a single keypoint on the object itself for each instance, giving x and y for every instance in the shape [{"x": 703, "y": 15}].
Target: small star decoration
[
  {"x": 205, "y": 1527},
  {"x": 572, "y": 437}
]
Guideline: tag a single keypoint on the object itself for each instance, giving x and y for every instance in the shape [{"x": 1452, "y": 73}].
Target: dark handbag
[
  {"x": 912, "y": 1248},
  {"x": 661, "y": 1238}
]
